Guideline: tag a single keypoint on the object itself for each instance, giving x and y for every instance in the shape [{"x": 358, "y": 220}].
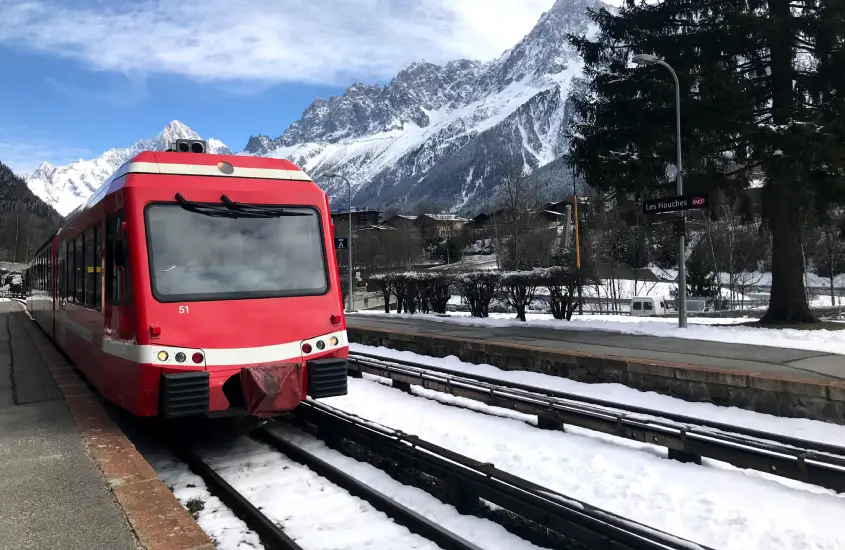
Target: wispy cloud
[
  {"x": 124, "y": 96},
  {"x": 24, "y": 150},
  {"x": 268, "y": 41}
]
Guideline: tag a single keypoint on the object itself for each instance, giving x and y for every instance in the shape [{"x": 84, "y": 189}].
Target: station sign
[
  {"x": 341, "y": 243},
  {"x": 675, "y": 204}
]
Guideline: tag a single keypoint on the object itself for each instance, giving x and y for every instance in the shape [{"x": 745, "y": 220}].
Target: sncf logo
[{"x": 697, "y": 201}]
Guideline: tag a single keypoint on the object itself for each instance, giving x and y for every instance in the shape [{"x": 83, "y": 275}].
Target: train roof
[{"x": 196, "y": 164}]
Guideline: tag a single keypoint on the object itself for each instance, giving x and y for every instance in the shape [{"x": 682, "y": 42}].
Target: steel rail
[
  {"x": 687, "y": 438},
  {"x": 271, "y": 535},
  {"x": 471, "y": 481},
  {"x": 401, "y": 514}
]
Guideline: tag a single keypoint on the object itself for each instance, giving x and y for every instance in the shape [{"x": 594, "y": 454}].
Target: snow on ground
[
  {"x": 216, "y": 519},
  {"x": 482, "y": 532},
  {"x": 699, "y": 328},
  {"x": 312, "y": 510},
  {"x": 722, "y": 507},
  {"x": 318, "y": 514},
  {"x": 813, "y": 430}
]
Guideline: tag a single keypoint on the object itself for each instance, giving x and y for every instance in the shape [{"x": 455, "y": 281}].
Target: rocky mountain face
[
  {"x": 444, "y": 135},
  {"x": 66, "y": 187},
  {"x": 435, "y": 137}
]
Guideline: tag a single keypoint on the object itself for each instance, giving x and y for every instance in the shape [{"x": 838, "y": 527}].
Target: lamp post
[
  {"x": 349, "y": 185},
  {"x": 647, "y": 59}
]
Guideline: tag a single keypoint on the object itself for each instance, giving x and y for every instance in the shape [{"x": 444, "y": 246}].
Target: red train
[{"x": 198, "y": 285}]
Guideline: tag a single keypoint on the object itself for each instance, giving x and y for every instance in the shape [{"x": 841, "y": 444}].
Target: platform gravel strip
[
  {"x": 156, "y": 516},
  {"x": 687, "y": 438},
  {"x": 471, "y": 480},
  {"x": 403, "y": 515}
]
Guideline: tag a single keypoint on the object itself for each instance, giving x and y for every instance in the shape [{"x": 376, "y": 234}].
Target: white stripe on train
[
  {"x": 208, "y": 170},
  {"x": 213, "y": 357}
]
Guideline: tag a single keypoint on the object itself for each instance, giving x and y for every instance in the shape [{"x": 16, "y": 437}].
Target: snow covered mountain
[
  {"x": 64, "y": 188},
  {"x": 443, "y": 135},
  {"x": 434, "y": 136}
]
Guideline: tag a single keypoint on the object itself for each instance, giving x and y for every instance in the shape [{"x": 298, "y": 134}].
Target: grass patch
[{"x": 195, "y": 506}]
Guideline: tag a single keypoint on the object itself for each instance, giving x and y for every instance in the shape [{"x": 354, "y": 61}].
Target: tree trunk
[
  {"x": 788, "y": 303},
  {"x": 828, "y": 239}
]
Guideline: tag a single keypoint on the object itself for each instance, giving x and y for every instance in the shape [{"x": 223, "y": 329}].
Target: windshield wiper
[
  {"x": 259, "y": 210},
  {"x": 214, "y": 210},
  {"x": 234, "y": 209}
]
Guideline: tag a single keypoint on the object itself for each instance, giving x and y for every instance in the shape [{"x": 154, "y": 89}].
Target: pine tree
[
  {"x": 25, "y": 220},
  {"x": 762, "y": 96}
]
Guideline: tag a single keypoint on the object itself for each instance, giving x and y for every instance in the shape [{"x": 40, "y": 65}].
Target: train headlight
[
  {"x": 321, "y": 344},
  {"x": 197, "y": 358},
  {"x": 162, "y": 355},
  {"x": 180, "y": 357},
  {"x": 333, "y": 341}
]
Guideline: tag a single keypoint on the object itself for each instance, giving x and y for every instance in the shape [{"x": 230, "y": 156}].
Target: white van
[{"x": 646, "y": 305}]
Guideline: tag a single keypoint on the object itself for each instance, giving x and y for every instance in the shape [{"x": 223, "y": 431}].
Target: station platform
[
  {"x": 782, "y": 381},
  {"x": 68, "y": 477}
]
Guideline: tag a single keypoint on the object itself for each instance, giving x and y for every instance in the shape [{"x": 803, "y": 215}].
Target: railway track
[
  {"x": 542, "y": 516},
  {"x": 294, "y": 476},
  {"x": 687, "y": 439},
  {"x": 537, "y": 514}
]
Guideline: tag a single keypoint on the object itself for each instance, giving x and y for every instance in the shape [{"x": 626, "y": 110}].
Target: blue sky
[{"x": 83, "y": 76}]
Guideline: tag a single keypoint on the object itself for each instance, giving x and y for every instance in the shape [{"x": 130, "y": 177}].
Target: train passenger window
[
  {"x": 79, "y": 271},
  {"x": 60, "y": 276},
  {"x": 117, "y": 272},
  {"x": 647, "y": 306},
  {"x": 638, "y": 306},
  {"x": 89, "y": 268},
  {"x": 69, "y": 269},
  {"x": 98, "y": 270}
]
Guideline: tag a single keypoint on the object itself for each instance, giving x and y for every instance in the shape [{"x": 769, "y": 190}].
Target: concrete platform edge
[
  {"x": 158, "y": 519},
  {"x": 781, "y": 396}
]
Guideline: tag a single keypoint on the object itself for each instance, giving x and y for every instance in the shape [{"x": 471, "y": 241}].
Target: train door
[{"x": 118, "y": 321}]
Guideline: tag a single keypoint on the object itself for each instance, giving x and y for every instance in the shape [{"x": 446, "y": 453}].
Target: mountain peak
[
  {"x": 442, "y": 133},
  {"x": 66, "y": 187},
  {"x": 176, "y": 130}
]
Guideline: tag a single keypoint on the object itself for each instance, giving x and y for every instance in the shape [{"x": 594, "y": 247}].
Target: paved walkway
[
  {"x": 52, "y": 494},
  {"x": 811, "y": 365}
]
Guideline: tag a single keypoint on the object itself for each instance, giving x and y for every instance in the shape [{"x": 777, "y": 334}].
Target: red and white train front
[
  {"x": 199, "y": 285},
  {"x": 241, "y": 306}
]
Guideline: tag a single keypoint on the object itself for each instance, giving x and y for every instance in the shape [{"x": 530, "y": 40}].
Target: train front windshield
[{"x": 209, "y": 253}]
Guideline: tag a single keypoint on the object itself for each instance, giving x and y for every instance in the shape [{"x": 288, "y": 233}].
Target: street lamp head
[{"x": 645, "y": 59}]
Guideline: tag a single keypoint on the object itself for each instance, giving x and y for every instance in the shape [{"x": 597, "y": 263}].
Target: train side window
[
  {"x": 98, "y": 270},
  {"x": 117, "y": 262},
  {"x": 68, "y": 268},
  {"x": 79, "y": 270},
  {"x": 89, "y": 268},
  {"x": 60, "y": 276}
]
